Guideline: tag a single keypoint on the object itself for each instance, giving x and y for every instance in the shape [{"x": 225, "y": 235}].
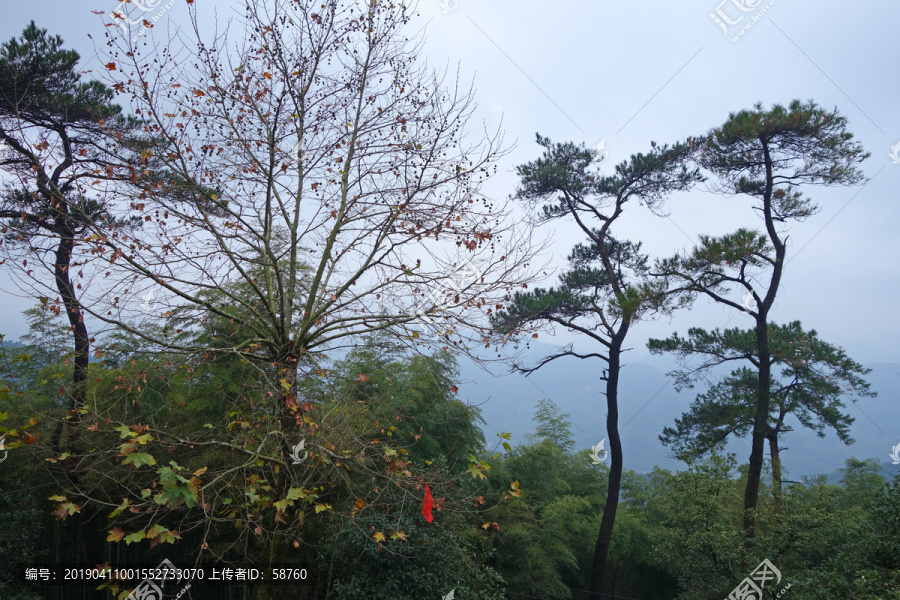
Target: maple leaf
[
  {"x": 362, "y": 378},
  {"x": 115, "y": 535},
  {"x": 135, "y": 537},
  {"x": 111, "y": 66},
  {"x": 92, "y": 427},
  {"x": 515, "y": 489},
  {"x": 379, "y": 537}
]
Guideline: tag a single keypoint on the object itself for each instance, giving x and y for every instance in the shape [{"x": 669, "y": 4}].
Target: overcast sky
[{"x": 632, "y": 72}]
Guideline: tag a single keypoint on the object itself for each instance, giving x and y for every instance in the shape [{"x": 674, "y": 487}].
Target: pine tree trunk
[
  {"x": 760, "y": 428},
  {"x": 776, "y": 471},
  {"x": 601, "y": 550},
  {"x": 66, "y": 291}
]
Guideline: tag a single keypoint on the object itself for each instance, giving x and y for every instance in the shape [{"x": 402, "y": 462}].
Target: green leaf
[
  {"x": 122, "y": 507},
  {"x": 297, "y": 493},
  {"x": 143, "y": 439},
  {"x": 135, "y": 537},
  {"x": 125, "y": 432},
  {"x": 139, "y": 459}
]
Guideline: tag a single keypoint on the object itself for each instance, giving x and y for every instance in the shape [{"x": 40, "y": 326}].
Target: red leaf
[
  {"x": 427, "y": 503},
  {"x": 111, "y": 66}
]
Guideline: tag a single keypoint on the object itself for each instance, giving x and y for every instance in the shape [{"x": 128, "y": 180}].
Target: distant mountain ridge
[{"x": 648, "y": 402}]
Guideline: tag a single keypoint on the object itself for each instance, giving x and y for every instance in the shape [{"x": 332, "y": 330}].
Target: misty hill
[{"x": 648, "y": 402}]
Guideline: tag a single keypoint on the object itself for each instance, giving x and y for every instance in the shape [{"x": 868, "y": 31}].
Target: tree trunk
[
  {"x": 601, "y": 550},
  {"x": 760, "y": 427},
  {"x": 66, "y": 290},
  {"x": 287, "y": 372},
  {"x": 776, "y": 470}
]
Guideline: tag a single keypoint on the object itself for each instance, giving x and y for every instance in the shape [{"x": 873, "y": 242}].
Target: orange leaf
[
  {"x": 362, "y": 377},
  {"x": 115, "y": 535},
  {"x": 30, "y": 439},
  {"x": 111, "y": 66}
]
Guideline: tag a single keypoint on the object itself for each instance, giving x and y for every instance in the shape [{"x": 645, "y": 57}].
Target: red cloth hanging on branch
[{"x": 427, "y": 503}]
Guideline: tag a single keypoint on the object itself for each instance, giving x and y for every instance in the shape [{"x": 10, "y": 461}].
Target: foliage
[{"x": 810, "y": 381}]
